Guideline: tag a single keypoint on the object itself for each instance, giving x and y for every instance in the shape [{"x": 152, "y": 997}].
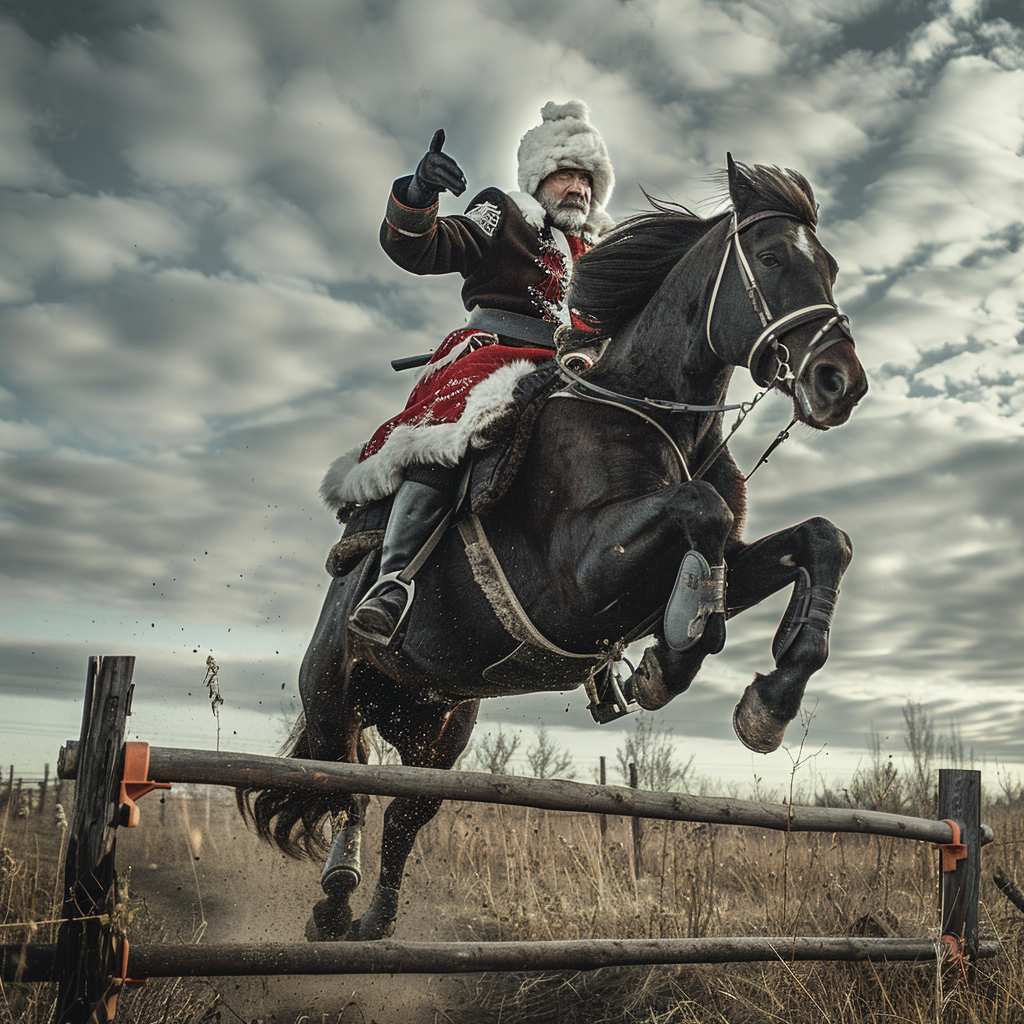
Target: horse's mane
[{"x": 613, "y": 282}]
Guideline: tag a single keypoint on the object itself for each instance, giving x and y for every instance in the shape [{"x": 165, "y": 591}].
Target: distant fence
[
  {"x": 91, "y": 960},
  {"x": 22, "y": 796}
]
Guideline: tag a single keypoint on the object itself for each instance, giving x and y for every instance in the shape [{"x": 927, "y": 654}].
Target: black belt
[
  {"x": 527, "y": 330},
  {"x": 515, "y": 329}
]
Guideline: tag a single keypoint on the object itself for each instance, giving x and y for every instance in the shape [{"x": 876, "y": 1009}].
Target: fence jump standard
[{"x": 91, "y": 961}]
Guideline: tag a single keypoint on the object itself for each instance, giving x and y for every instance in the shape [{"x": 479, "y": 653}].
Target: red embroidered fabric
[
  {"x": 468, "y": 356},
  {"x": 463, "y": 359}
]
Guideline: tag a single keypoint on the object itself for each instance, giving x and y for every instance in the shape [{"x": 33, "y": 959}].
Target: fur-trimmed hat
[{"x": 566, "y": 138}]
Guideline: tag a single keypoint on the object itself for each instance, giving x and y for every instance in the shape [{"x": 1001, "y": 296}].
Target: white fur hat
[{"x": 566, "y": 138}]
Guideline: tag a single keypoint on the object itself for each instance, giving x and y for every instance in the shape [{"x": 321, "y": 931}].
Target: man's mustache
[{"x": 574, "y": 199}]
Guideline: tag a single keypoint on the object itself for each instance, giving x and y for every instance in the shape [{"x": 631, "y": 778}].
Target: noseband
[{"x": 772, "y": 329}]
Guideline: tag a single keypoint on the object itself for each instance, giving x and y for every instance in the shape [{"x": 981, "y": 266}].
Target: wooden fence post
[
  {"x": 603, "y": 779},
  {"x": 42, "y": 789},
  {"x": 637, "y": 852},
  {"x": 85, "y": 943},
  {"x": 960, "y": 801}
]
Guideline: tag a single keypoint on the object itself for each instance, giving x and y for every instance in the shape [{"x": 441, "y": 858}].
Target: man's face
[{"x": 566, "y": 195}]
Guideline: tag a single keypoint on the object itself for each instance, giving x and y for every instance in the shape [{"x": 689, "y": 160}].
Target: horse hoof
[
  {"x": 379, "y": 920},
  {"x": 329, "y": 922},
  {"x": 647, "y": 685},
  {"x": 757, "y": 726}
]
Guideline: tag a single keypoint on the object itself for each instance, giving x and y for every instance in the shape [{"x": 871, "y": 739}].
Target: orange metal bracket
[
  {"x": 135, "y": 782},
  {"x": 955, "y": 962},
  {"x": 120, "y": 978},
  {"x": 953, "y": 850}
]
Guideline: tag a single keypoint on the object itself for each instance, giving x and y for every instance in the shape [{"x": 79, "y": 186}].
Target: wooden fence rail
[
  {"x": 390, "y": 957},
  {"x": 224, "y": 768}
]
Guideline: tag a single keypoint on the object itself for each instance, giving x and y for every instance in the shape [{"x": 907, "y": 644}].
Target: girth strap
[
  {"x": 511, "y": 614},
  {"x": 505, "y": 604}
]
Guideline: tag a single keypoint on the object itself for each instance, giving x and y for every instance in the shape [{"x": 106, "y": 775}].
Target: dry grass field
[{"x": 196, "y": 875}]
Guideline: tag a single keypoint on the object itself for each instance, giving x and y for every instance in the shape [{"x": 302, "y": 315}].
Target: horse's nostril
[{"x": 830, "y": 380}]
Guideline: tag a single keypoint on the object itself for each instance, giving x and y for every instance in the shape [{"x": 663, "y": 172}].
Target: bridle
[{"x": 772, "y": 330}]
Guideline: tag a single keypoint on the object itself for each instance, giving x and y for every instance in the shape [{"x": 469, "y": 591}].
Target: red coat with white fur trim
[{"x": 512, "y": 260}]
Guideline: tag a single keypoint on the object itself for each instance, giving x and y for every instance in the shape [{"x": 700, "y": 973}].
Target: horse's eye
[{"x": 769, "y": 259}]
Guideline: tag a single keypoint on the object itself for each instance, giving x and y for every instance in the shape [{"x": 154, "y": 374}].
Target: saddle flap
[{"x": 508, "y": 438}]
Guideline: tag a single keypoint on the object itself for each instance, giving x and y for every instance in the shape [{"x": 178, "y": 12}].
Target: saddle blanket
[
  {"x": 464, "y": 390},
  {"x": 496, "y": 457}
]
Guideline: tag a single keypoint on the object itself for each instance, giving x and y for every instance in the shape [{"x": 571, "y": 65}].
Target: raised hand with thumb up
[{"x": 437, "y": 172}]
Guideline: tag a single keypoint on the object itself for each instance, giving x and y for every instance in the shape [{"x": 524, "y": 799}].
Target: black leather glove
[{"x": 437, "y": 172}]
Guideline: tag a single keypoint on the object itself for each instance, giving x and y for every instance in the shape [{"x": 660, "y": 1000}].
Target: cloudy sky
[{"x": 196, "y": 318}]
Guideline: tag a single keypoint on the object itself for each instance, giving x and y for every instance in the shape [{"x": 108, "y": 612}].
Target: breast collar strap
[
  {"x": 773, "y": 328},
  {"x": 569, "y": 392},
  {"x": 584, "y": 388}
]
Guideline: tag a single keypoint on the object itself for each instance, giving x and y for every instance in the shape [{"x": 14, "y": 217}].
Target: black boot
[{"x": 421, "y": 502}]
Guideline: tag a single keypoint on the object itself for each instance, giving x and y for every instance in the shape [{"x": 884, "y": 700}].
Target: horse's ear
[{"x": 738, "y": 184}]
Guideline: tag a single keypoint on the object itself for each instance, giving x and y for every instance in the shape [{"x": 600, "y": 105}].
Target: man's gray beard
[{"x": 565, "y": 218}]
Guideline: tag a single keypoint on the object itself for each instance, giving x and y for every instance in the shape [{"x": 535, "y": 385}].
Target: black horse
[{"x": 626, "y": 489}]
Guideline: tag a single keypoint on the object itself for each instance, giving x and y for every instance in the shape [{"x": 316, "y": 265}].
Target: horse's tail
[{"x": 290, "y": 819}]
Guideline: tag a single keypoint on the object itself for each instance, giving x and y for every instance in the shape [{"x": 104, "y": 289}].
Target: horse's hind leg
[
  {"x": 331, "y": 918},
  {"x": 432, "y": 738},
  {"x": 327, "y": 683},
  {"x": 813, "y": 556}
]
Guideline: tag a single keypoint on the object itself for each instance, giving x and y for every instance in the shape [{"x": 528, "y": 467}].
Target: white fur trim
[
  {"x": 566, "y": 138},
  {"x": 334, "y": 479},
  {"x": 349, "y": 480},
  {"x": 530, "y": 208}
]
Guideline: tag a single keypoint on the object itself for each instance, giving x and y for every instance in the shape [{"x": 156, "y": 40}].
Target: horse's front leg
[
  {"x": 813, "y": 557},
  {"x": 676, "y": 534}
]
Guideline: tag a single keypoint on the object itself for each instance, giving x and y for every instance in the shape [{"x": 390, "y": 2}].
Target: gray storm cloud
[{"x": 197, "y": 318}]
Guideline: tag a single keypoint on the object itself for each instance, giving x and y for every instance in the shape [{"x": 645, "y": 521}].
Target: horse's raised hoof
[
  {"x": 331, "y": 921},
  {"x": 647, "y": 684},
  {"x": 378, "y": 922},
  {"x": 757, "y": 726}
]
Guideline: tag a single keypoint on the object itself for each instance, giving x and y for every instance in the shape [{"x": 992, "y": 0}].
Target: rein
[{"x": 772, "y": 330}]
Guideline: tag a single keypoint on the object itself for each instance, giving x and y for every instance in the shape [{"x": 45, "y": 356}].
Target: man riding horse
[
  {"x": 516, "y": 252},
  {"x": 622, "y": 514}
]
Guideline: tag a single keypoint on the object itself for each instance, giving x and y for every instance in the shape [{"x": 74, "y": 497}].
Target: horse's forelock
[{"x": 766, "y": 187}]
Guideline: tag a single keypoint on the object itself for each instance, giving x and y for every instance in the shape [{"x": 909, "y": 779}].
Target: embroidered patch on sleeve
[{"x": 487, "y": 215}]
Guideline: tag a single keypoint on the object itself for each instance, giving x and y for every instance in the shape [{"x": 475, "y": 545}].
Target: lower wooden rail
[{"x": 35, "y": 963}]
